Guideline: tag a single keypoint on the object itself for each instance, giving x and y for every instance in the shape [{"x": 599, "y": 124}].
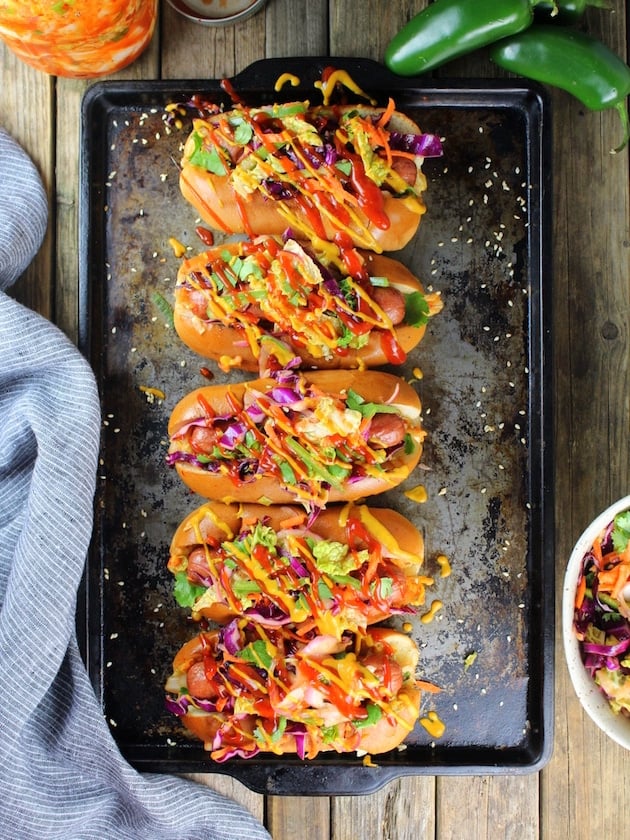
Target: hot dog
[
  {"x": 244, "y": 689},
  {"x": 317, "y": 437},
  {"x": 346, "y": 174},
  {"x": 332, "y": 308},
  {"x": 350, "y": 567}
]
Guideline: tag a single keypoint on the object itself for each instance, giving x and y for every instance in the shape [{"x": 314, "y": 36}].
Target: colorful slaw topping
[{"x": 602, "y": 612}]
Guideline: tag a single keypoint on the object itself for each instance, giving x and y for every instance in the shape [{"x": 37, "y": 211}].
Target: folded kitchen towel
[{"x": 61, "y": 775}]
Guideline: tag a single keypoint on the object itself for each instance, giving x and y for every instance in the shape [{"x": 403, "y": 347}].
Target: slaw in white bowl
[{"x": 616, "y": 725}]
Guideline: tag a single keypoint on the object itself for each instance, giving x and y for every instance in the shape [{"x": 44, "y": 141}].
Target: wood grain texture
[
  {"x": 488, "y": 807},
  {"x": 27, "y": 113},
  {"x": 229, "y": 787},
  {"x": 305, "y": 817},
  {"x": 585, "y": 786},
  {"x": 402, "y": 810}
]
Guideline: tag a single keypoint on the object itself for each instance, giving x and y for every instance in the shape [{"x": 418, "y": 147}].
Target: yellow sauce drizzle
[
  {"x": 286, "y": 79},
  {"x": 417, "y": 494},
  {"x": 433, "y": 610},
  {"x": 155, "y": 393},
  {"x": 343, "y": 78},
  {"x": 443, "y": 563},
  {"x": 433, "y": 725},
  {"x": 179, "y": 249},
  {"x": 226, "y": 363}
]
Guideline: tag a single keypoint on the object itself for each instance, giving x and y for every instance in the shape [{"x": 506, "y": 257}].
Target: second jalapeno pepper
[
  {"x": 573, "y": 61},
  {"x": 447, "y": 29},
  {"x": 566, "y": 11}
]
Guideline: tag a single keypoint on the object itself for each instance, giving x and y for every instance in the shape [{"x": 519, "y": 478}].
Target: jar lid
[{"x": 217, "y": 12}]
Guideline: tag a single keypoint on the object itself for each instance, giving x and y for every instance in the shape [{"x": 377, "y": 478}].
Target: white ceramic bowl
[
  {"x": 217, "y": 12},
  {"x": 595, "y": 704}
]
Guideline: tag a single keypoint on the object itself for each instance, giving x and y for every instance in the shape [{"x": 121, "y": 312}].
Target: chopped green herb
[
  {"x": 344, "y": 166},
  {"x": 257, "y": 653},
  {"x": 374, "y": 714},
  {"x": 286, "y": 471},
  {"x": 279, "y": 730},
  {"x": 470, "y": 660},
  {"x": 416, "y": 309},
  {"x": 210, "y": 160},
  {"x": 621, "y": 531},
  {"x": 367, "y": 409},
  {"x": 164, "y": 306},
  {"x": 185, "y": 592}
]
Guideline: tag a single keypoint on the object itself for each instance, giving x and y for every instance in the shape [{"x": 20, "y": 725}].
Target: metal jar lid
[{"x": 217, "y": 12}]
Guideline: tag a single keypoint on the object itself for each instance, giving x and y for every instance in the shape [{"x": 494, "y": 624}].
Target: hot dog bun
[
  {"x": 321, "y": 171},
  {"x": 242, "y": 690},
  {"x": 351, "y": 567},
  {"x": 316, "y": 437},
  {"x": 230, "y": 298}
]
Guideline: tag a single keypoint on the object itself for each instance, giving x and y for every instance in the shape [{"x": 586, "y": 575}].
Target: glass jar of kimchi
[{"x": 77, "y": 38}]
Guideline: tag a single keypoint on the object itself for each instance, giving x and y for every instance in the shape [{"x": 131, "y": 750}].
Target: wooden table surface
[{"x": 582, "y": 792}]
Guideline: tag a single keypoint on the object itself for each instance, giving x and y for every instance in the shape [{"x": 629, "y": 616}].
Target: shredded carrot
[
  {"x": 387, "y": 113},
  {"x": 293, "y": 521},
  {"x": 597, "y": 552},
  {"x": 427, "y": 686},
  {"x": 613, "y": 580},
  {"x": 579, "y": 595}
]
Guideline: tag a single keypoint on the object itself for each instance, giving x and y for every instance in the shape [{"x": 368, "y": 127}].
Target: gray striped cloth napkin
[{"x": 61, "y": 775}]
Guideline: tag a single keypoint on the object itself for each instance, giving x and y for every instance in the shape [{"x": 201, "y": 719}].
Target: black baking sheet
[{"x": 482, "y": 372}]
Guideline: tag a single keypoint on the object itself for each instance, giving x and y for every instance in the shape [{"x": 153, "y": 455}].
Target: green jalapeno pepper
[
  {"x": 573, "y": 61},
  {"x": 446, "y": 29},
  {"x": 565, "y": 12}
]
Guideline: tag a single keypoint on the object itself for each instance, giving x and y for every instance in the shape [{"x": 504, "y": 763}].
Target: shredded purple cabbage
[
  {"x": 177, "y": 707},
  {"x": 233, "y": 435},
  {"x": 424, "y": 145},
  {"x": 284, "y": 395},
  {"x": 230, "y": 638}
]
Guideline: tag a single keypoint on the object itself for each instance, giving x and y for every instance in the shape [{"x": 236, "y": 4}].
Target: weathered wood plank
[
  {"x": 488, "y": 807},
  {"x": 229, "y": 787},
  {"x": 585, "y": 786},
  {"x": 26, "y": 112},
  {"x": 402, "y": 810},
  {"x": 306, "y": 817},
  {"x": 365, "y": 28}
]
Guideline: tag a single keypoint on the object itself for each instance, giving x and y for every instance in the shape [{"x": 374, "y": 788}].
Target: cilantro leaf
[
  {"x": 416, "y": 309},
  {"x": 621, "y": 531},
  {"x": 206, "y": 160},
  {"x": 257, "y": 653},
  {"x": 243, "y": 133},
  {"x": 185, "y": 592},
  {"x": 344, "y": 166}
]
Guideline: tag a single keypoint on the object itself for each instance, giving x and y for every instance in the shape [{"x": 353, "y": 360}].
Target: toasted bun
[
  {"x": 388, "y": 547},
  {"x": 217, "y": 324},
  {"x": 267, "y": 485},
  {"x": 287, "y": 702},
  {"x": 259, "y": 212}
]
